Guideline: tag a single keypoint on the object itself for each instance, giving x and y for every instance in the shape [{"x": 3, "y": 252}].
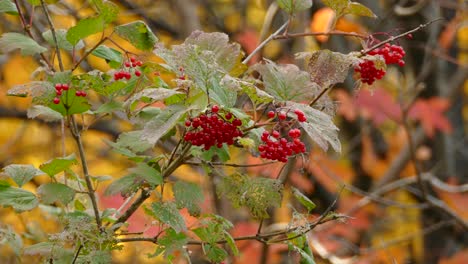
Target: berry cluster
[
  {"x": 279, "y": 148},
  {"x": 60, "y": 88},
  {"x": 125, "y": 73},
  {"x": 392, "y": 54},
  {"x": 213, "y": 129},
  {"x": 282, "y": 115}
]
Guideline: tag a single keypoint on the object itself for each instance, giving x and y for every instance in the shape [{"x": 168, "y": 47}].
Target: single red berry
[
  {"x": 58, "y": 92},
  {"x": 215, "y": 109},
  {"x": 56, "y": 100},
  {"x": 127, "y": 64},
  {"x": 58, "y": 86},
  {"x": 282, "y": 115},
  {"x": 83, "y": 93},
  {"x": 132, "y": 59},
  {"x": 301, "y": 118},
  {"x": 139, "y": 63},
  {"x": 228, "y": 116},
  {"x": 182, "y": 77},
  {"x": 275, "y": 134},
  {"x": 127, "y": 75},
  {"x": 137, "y": 73},
  {"x": 409, "y": 36},
  {"x": 78, "y": 93},
  {"x": 271, "y": 114},
  {"x": 236, "y": 122},
  {"x": 188, "y": 123},
  {"x": 65, "y": 87}
]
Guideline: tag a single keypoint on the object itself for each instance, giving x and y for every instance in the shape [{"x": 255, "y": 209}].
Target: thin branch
[
  {"x": 77, "y": 254},
  {"x": 230, "y": 164},
  {"x": 393, "y": 38},
  {"x": 329, "y": 33},
  {"x": 27, "y": 29},
  {"x": 54, "y": 34},
  {"x": 259, "y": 47},
  {"x": 84, "y": 165},
  {"x": 88, "y": 53}
]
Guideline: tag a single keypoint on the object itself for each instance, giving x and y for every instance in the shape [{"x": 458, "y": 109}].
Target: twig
[
  {"x": 87, "y": 53},
  {"x": 54, "y": 35},
  {"x": 259, "y": 47},
  {"x": 334, "y": 32},
  {"x": 27, "y": 29},
  {"x": 230, "y": 164},
  {"x": 84, "y": 165},
  {"x": 77, "y": 254},
  {"x": 393, "y": 38}
]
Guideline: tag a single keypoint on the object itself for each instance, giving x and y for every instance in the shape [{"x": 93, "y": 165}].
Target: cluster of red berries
[
  {"x": 282, "y": 115},
  {"x": 213, "y": 129},
  {"x": 392, "y": 54},
  {"x": 279, "y": 148},
  {"x": 60, "y": 88},
  {"x": 118, "y": 75}
]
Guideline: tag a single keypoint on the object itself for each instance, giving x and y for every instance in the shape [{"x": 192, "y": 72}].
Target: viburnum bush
[{"x": 202, "y": 103}]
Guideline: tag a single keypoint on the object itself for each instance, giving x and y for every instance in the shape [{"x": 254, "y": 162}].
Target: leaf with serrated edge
[
  {"x": 327, "y": 68},
  {"x": 17, "y": 198},
  {"x": 54, "y": 166},
  {"x": 50, "y": 193},
  {"x": 319, "y": 126},
  {"x": 167, "y": 213},
  {"x": 339, "y": 6},
  {"x": 154, "y": 94},
  {"x": 21, "y": 174},
  {"x": 138, "y": 34},
  {"x": 11, "y": 41},
  {"x": 292, "y": 6},
  {"x": 286, "y": 82},
  {"x": 124, "y": 186},
  {"x": 148, "y": 173},
  {"x": 188, "y": 195},
  {"x": 44, "y": 113},
  {"x": 162, "y": 123},
  {"x": 84, "y": 28},
  {"x": 62, "y": 41}
]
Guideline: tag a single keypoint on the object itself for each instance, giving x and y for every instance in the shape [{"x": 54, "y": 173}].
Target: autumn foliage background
[{"x": 391, "y": 226}]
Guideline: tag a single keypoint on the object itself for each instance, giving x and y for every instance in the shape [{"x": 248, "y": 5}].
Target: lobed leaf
[
  {"x": 11, "y": 41},
  {"x": 188, "y": 195},
  {"x": 21, "y": 174},
  {"x": 327, "y": 68},
  {"x": 138, "y": 34},
  {"x": 319, "y": 126},
  {"x": 162, "y": 123},
  {"x": 286, "y": 82},
  {"x": 167, "y": 213},
  {"x": 44, "y": 113},
  {"x": 169, "y": 243},
  {"x": 57, "y": 165},
  {"x": 257, "y": 194},
  {"x": 50, "y": 193},
  {"x": 124, "y": 186},
  {"x": 148, "y": 173},
  {"x": 150, "y": 95},
  {"x": 17, "y": 198}
]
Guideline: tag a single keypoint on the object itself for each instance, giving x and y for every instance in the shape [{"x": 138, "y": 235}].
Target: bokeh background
[{"x": 386, "y": 227}]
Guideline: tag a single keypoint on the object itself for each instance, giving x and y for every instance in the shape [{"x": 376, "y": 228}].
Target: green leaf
[
  {"x": 52, "y": 167},
  {"x": 138, "y": 34},
  {"x": 41, "y": 92},
  {"x": 11, "y": 41},
  {"x": 319, "y": 126},
  {"x": 304, "y": 200},
  {"x": 21, "y": 174},
  {"x": 34, "y": 2},
  {"x": 339, "y": 6},
  {"x": 131, "y": 141},
  {"x": 17, "y": 198},
  {"x": 50, "y": 193},
  {"x": 149, "y": 96},
  {"x": 257, "y": 194},
  {"x": 286, "y": 82},
  {"x": 76, "y": 104},
  {"x": 124, "y": 186},
  {"x": 84, "y": 28},
  {"x": 167, "y": 213},
  {"x": 358, "y": 9},
  {"x": 148, "y": 173},
  {"x": 109, "y": 54},
  {"x": 10, "y": 237},
  {"x": 7, "y": 6},
  {"x": 188, "y": 195},
  {"x": 327, "y": 68},
  {"x": 44, "y": 113},
  {"x": 170, "y": 243},
  {"x": 293, "y": 6},
  {"x": 108, "y": 11},
  {"x": 62, "y": 41},
  {"x": 109, "y": 107},
  {"x": 231, "y": 243},
  {"x": 214, "y": 253},
  {"x": 162, "y": 123}
]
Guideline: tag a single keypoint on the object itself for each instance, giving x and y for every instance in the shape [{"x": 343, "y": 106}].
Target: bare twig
[
  {"x": 230, "y": 164},
  {"x": 54, "y": 35},
  {"x": 329, "y": 33},
  {"x": 259, "y": 47}
]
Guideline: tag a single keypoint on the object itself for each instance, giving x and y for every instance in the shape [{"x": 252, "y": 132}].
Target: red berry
[
  {"x": 127, "y": 64},
  {"x": 83, "y": 93},
  {"x": 215, "y": 109},
  {"x": 58, "y": 92},
  {"x": 275, "y": 134},
  {"x": 228, "y": 116},
  {"x": 78, "y": 93},
  {"x": 137, "y": 73},
  {"x": 65, "y": 87},
  {"x": 409, "y": 36},
  {"x": 127, "y": 75},
  {"x": 139, "y": 63},
  {"x": 271, "y": 114},
  {"x": 56, "y": 100},
  {"x": 282, "y": 115},
  {"x": 132, "y": 59},
  {"x": 236, "y": 122},
  {"x": 58, "y": 86},
  {"x": 188, "y": 123}
]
